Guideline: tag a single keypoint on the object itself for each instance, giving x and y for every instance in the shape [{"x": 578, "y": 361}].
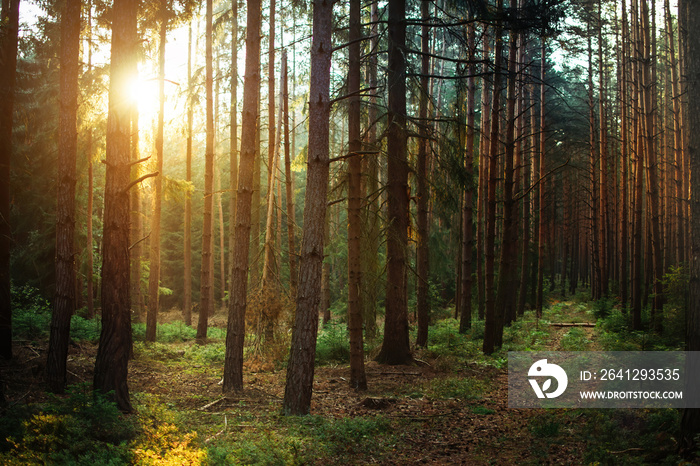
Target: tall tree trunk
[
  {"x": 541, "y": 188},
  {"x": 690, "y": 422},
  {"x": 422, "y": 194},
  {"x": 233, "y": 149},
  {"x": 465, "y": 322},
  {"x": 154, "y": 253},
  {"x": 206, "y": 300},
  {"x": 64, "y": 303},
  {"x": 649, "y": 108},
  {"x": 490, "y": 317},
  {"x": 525, "y": 264},
  {"x": 505, "y": 304},
  {"x": 289, "y": 182},
  {"x": 268, "y": 256},
  {"x": 484, "y": 137},
  {"x": 603, "y": 229},
  {"x": 624, "y": 156},
  {"x": 111, "y": 364},
  {"x": 300, "y": 370},
  {"x": 235, "y": 330},
  {"x": 358, "y": 379},
  {"x": 9, "y": 28},
  {"x": 187, "y": 302},
  {"x": 395, "y": 345},
  {"x": 370, "y": 239}
]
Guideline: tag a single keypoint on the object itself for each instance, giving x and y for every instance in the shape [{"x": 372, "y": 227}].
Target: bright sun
[{"x": 145, "y": 93}]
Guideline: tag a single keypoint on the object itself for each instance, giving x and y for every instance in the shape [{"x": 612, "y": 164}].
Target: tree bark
[
  {"x": 465, "y": 321},
  {"x": 187, "y": 303},
  {"x": 9, "y": 28},
  {"x": 541, "y": 188},
  {"x": 154, "y": 253},
  {"x": 358, "y": 379},
  {"x": 64, "y": 304},
  {"x": 289, "y": 183},
  {"x": 300, "y": 370},
  {"x": 395, "y": 345},
  {"x": 233, "y": 149},
  {"x": 235, "y": 330},
  {"x": 490, "y": 316},
  {"x": 111, "y": 365},
  {"x": 505, "y": 304},
  {"x": 690, "y": 421},
  {"x": 206, "y": 300},
  {"x": 423, "y": 193}
]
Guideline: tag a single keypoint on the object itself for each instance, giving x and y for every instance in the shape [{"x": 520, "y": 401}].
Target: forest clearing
[
  {"x": 277, "y": 232},
  {"x": 450, "y": 407}
]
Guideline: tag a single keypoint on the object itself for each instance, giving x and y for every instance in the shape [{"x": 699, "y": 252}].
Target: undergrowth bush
[
  {"x": 80, "y": 429},
  {"x": 332, "y": 345}
]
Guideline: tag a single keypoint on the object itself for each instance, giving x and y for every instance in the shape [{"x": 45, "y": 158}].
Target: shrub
[
  {"x": 82, "y": 429},
  {"x": 333, "y": 345}
]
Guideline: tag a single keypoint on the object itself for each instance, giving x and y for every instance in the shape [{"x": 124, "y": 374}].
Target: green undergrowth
[
  {"x": 302, "y": 440},
  {"x": 81, "y": 428}
]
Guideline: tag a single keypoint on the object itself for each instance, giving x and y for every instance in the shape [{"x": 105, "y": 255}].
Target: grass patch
[
  {"x": 621, "y": 436},
  {"x": 575, "y": 340}
]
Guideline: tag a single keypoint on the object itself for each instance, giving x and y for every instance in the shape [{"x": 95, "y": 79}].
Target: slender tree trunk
[
  {"x": 491, "y": 317},
  {"x": 624, "y": 156},
  {"x": 541, "y": 188},
  {"x": 325, "y": 306},
  {"x": 525, "y": 260},
  {"x": 206, "y": 306},
  {"x": 235, "y": 331},
  {"x": 233, "y": 150},
  {"x": 300, "y": 370},
  {"x": 154, "y": 253},
  {"x": 690, "y": 422},
  {"x": 90, "y": 195},
  {"x": 187, "y": 304},
  {"x": 395, "y": 346},
  {"x": 422, "y": 194},
  {"x": 483, "y": 177},
  {"x": 64, "y": 303},
  {"x": 289, "y": 185},
  {"x": 111, "y": 365},
  {"x": 9, "y": 28},
  {"x": 603, "y": 229},
  {"x": 358, "y": 379},
  {"x": 505, "y": 305},
  {"x": 370, "y": 239},
  {"x": 465, "y": 322},
  {"x": 652, "y": 174}
]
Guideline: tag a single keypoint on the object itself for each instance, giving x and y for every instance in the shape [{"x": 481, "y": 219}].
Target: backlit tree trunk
[
  {"x": 235, "y": 330},
  {"x": 111, "y": 365},
  {"x": 300, "y": 370},
  {"x": 64, "y": 303},
  {"x": 9, "y": 27},
  {"x": 187, "y": 306},
  {"x": 289, "y": 182},
  {"x": 154, "y": 253},
  {"x": 206, "y": 300},
  {"x": 233, "y": 150}
]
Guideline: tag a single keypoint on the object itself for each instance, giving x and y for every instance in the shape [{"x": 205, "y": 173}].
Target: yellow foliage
[{"x": 164, "y": 445}]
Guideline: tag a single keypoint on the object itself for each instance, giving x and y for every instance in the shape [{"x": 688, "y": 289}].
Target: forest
[{"x": 294, "y": 232}]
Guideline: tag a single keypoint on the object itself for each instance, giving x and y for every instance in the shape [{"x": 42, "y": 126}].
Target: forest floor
[{"x": 450, "y": 407}]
